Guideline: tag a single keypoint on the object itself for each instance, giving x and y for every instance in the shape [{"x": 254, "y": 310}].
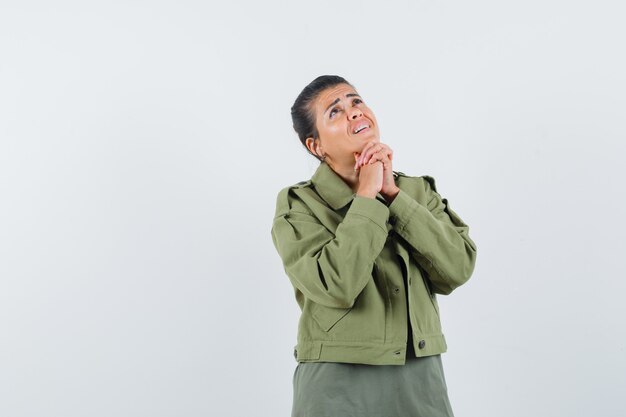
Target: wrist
[
  {"x": 390, "y": 196},
  {"x": 366, "y": 193}
]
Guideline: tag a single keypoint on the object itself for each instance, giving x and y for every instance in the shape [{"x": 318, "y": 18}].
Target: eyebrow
[{"x": 337, "y": 100}]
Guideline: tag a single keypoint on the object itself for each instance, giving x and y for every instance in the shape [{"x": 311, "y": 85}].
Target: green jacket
[{"x": 347, "y": 257}]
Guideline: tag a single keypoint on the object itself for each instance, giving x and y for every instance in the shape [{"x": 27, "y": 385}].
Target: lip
[{"x": 359, "y": 124}]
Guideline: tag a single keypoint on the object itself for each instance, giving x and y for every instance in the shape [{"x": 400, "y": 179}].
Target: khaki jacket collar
[{"x": 332, "y": 188}]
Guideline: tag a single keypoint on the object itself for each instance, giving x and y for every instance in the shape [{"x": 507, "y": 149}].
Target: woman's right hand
[{"x": 370, "y": 179}]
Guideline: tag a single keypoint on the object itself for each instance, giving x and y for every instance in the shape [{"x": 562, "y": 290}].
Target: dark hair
[{"x": 302, "y": 113}]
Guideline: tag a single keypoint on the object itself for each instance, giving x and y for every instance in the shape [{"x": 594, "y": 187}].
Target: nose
[{"x": 354, "y": 113}]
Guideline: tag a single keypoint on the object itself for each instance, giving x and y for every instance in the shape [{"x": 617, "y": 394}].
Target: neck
[{"x": 347, "y": 174}]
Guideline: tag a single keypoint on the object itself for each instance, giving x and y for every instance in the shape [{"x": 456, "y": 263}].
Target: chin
[
  {"x": 366, "y": 138},
  {"x": 373, "y": 137}
]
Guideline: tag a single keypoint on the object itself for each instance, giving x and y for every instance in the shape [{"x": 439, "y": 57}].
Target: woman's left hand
[{"x": 376, "y": 151}]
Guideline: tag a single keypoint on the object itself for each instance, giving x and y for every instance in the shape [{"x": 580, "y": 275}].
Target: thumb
[{"x": 356, "y": 158}]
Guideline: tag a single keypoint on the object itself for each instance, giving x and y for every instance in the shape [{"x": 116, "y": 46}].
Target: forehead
[{"x": 329, "y": 94}]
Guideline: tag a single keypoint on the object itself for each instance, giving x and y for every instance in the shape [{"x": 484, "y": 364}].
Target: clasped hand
[{"x": 374, "y": 152}]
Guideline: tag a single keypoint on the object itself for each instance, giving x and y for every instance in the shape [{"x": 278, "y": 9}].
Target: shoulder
[
  {"x": 287, "y": 197},
  {"x": 426, "y": 182}
]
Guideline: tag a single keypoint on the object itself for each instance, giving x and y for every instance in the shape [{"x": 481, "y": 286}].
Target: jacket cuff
[
  {"x": 400, "y": 208},
  {"x": 371, "y": 208}
]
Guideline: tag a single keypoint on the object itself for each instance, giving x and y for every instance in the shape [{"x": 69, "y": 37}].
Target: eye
[
  {"x": 331, "y": 112},
  {"x": 357, "y": 100}
]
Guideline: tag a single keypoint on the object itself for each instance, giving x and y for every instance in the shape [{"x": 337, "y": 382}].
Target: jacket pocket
[
  {"x": 327, "y": 317},
  {"x": 431, "y": 294}
]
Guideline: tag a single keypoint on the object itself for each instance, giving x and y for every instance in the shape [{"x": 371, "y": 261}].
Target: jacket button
[
  {"x": 421, "y": 344},
  {"x": 396, "y": 290}
]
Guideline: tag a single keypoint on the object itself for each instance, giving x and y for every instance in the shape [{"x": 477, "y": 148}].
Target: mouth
[{"x": 361, "y": 128}]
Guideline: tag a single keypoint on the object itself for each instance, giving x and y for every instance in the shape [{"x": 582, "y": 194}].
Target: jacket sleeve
[
  {"x": 439, "y": 240},
  {"x": 331, "y": 269}
]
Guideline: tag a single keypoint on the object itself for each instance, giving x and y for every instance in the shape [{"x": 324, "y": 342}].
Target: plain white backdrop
[{"x": 143, "y": 144}]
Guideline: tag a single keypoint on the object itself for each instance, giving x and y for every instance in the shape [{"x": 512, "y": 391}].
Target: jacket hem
[{"x": 368, "y": 353}]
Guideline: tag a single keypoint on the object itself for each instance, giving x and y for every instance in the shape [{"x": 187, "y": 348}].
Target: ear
[{"x": 314, "y": 146}]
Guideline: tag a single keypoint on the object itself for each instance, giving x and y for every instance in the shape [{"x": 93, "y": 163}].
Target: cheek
[{"x": 334, "y": 129}]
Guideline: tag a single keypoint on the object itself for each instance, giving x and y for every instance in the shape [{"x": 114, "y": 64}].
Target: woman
[{"x": 366, "y": 249}]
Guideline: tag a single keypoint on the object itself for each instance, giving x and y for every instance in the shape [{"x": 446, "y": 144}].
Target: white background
[{"x": 143, "y": 144}]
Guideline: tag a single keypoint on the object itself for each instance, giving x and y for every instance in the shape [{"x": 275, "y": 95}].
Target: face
[{"x": 339, "y": 111}]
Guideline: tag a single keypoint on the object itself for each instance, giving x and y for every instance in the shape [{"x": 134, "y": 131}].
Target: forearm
[
  {"x": 332, "y": 268},
  {"x": 439, "y": 240}
]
